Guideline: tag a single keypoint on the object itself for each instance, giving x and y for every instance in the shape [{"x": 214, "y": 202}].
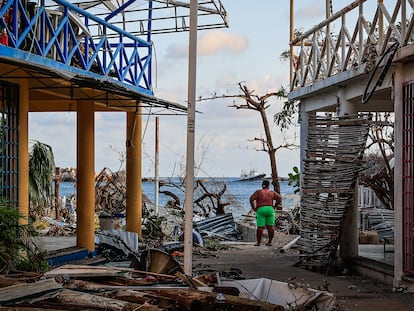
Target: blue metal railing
[{"x": 79, "y": 40}]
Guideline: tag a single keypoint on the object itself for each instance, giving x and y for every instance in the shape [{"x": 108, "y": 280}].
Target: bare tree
[
  {"x": 214, "y": 198},
  {"x": 260, "y": 104},
  {"x": 208, "y": 196},
  {"x": 379, "y": 175}
]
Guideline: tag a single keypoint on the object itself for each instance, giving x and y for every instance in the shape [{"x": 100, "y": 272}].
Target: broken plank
[
  {"x": 20, "y": 308},
  {"x": 198, "y": 300},
  {"x": 94, "y": 286},
  {"x": 82, "y": 271},
  {"x": 23, "y": 291},
  {"x": 164, "y": 303},
  {"x": 5, "y": 281},
  {"x": 85, "y": 270},
  {"x": 83, "y": 300}
]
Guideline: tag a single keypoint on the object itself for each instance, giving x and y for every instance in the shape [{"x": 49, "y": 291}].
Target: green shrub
[
  {"x": 17, "y": 252},
  {"x": 294, "y": 179}
]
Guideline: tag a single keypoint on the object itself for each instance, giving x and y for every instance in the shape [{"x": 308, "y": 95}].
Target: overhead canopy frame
[{"x": 147, "y": 17}]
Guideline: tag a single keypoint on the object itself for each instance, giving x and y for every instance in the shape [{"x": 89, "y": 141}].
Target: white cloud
[
  {"x": 217, "y": 41},
  {"x": 177, "y": 51},
  {"x": 310, "y": 11},
  {"x": 210, "y": 43}
]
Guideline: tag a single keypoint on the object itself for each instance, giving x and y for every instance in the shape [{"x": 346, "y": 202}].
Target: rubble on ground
[
  {"x": 379, "y": 220},
  {"x": 72, "y": 287},
  {"x": 161, "y": 285},
  {"x": 128, "y": 274}
]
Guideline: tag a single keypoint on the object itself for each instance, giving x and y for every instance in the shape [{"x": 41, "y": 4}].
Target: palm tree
[{"x": 41, "y": 171}]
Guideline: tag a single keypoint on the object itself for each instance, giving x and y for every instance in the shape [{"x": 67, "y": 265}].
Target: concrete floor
[
  {"x": 371, "y": 251},
  {"x": 351, "y": 292},
  {"x": 376, "y": 252},
  {"x": 54, "y": 243}
]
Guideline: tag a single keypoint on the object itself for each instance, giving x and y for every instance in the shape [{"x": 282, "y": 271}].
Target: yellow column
[
  {"x": 85, "y": 160},
  {"x": 134, "y": 172},
  {"x": 24, "y": 150}
]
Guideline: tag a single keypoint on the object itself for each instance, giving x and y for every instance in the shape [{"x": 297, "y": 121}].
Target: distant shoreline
[{"x": 152, "y": 179}]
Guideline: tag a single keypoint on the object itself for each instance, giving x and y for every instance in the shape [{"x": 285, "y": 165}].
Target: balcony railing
[
  {"x": 64, "y": 36},
  {"x": 333, "y": 47}
]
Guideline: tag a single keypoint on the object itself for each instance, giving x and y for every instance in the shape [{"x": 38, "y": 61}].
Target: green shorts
[{"x": 265, "y": 216}]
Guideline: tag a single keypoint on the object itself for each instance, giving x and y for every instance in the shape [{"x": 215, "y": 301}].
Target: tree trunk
[
  {"x": 271, "y": 151},
  {"x": 82, "y": 300}
]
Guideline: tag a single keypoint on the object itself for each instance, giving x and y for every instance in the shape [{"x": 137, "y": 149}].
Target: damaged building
[{"x": 352, "y": 65}]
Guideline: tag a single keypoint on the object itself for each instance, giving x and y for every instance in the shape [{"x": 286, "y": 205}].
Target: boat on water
[{"x": 253, "y": 174}]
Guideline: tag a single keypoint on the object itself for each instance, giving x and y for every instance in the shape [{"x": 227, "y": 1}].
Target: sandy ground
[{"x": 351, "y": 292}]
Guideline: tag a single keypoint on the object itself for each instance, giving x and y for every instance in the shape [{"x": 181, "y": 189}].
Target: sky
[{"x": 249, "y": 52}]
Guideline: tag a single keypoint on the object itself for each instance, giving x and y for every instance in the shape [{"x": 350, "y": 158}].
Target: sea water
[{"x": 237, "y": 192}]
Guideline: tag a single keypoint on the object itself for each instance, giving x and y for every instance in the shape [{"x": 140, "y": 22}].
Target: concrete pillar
[
  {"x": 134, "y": 172},
  {"x": 350, "y": 235},
  {"x": 345, "y": 106},
  {"x": 85, "y": 159},
  {"x": 398, "y": 187},
  {"x": 24, "y": 150}
]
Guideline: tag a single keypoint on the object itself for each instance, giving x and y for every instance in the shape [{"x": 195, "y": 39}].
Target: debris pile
[
  {"x": 110, "y": 192},
  {"x": 288, "y": 221},
  {"x": 74, "y": 287},
  {"x": 221, "y": 227},
  {"x": 379, "y": 220},
  {"x": 109, "y": 287}
]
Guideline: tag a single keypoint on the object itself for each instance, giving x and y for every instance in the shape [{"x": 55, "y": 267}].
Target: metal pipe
[
  {"x": 157, "y": 180},
  {"x": 290, "y": 244},
  {"x": 189, "y": 180}
]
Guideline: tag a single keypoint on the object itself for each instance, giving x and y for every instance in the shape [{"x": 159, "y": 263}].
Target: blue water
[{"x": 237, "y": 193}]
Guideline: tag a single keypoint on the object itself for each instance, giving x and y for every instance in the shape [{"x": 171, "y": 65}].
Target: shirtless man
[{"x": 263, "y": 202}]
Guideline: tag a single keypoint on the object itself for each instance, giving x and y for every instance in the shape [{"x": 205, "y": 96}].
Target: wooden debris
[
  {"x": 80, "y": 300},
  {"x": 115, "y": 288},
  {"x": 192, "y": 283},
  {"x": 22, "y": 308},
  {"x": 144, "y": 298},
  {"x": 100, "y": 271},
  {"x": 18, "y": 292},
  {"x": 206, "y": 301},
  {"x": 76, "y": 295},
  {"x": 110, "y": 192},
  {"x": 334, "y": 155},
  {"x": 6, "y": 281},
  {"x": 83, "y": 271}
]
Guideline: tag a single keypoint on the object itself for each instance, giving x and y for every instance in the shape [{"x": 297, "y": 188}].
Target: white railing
[
  {"x": 368, "y": 199},
  {"x": 332, "y": 46}
]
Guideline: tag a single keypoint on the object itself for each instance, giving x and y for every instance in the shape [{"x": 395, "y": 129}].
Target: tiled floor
[
  {"x": 376, "y": 252},
  {"x": 54, "y": 243}
]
